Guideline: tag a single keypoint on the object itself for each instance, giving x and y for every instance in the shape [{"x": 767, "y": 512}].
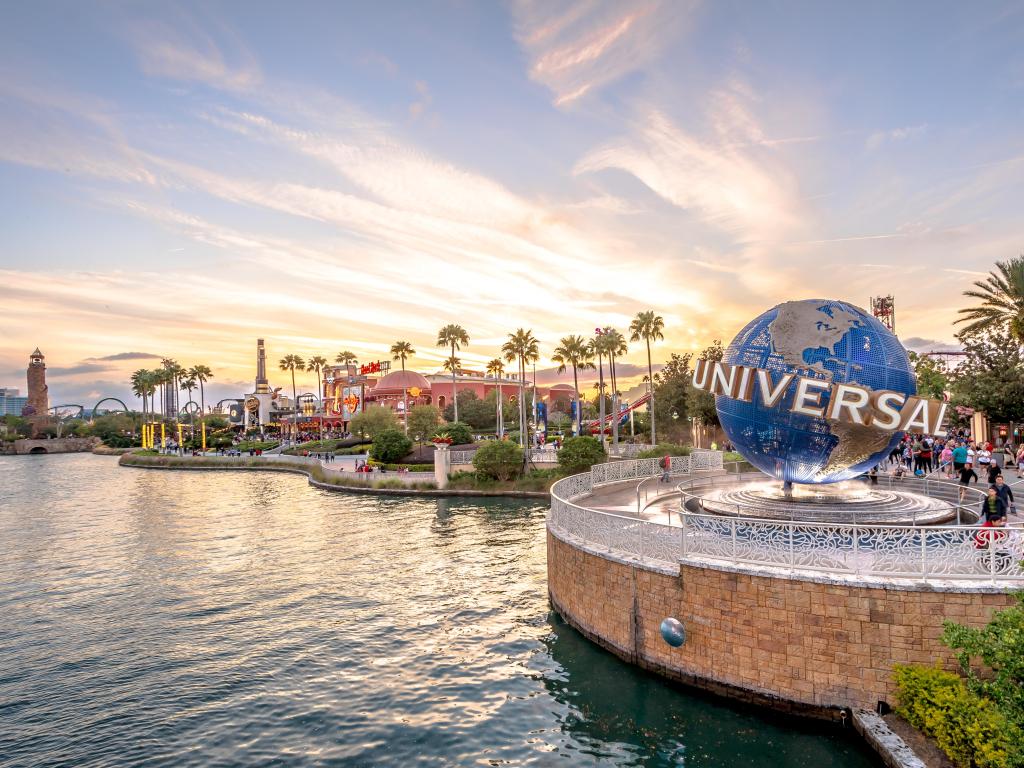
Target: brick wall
[{"x": 799, "y": 645}]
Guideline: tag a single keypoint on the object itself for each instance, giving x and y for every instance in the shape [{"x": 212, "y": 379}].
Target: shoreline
[{"x": 253, "y": 464}]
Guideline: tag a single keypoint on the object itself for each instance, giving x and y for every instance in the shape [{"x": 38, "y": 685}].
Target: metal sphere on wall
[{"x": 673, "y": 632}]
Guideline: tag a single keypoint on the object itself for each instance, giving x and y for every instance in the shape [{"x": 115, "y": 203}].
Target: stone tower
[{"x": 38, "y": 396}]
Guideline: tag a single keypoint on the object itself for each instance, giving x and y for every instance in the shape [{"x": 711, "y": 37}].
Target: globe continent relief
[{"x": 829, "y": 340}]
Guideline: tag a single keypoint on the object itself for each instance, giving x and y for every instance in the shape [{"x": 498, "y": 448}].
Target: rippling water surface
[{"x": 231, "y": 618}]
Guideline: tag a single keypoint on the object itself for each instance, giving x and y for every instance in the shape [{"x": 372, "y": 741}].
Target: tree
[
  {"x": 141, "y": 381},
  {"x": 497, "y": 369},
  {"x": 475, "y": 412},
  {"x": 373, "y": 420},
  {"x": 991, "y": 378},
  {"x": 172, "y": 372},
  {"x": 1002, "y": 302},
  {"x": 615, "y": 347},
  {"x": 188, "y": 383},
  {"x": 114, "y": 429},
  {"x": 648, "y": 326},
  {"x": 346, "y": 358},
  {"x": 579, "y": 454},
  {"x": 574, "y": 351},
  {"x": 293, "y": 363},
  {"x": 390, "y": 445},
  {"x": 522, "y": 347},
  {"x": 423, "y": 421},
  {"x": 318, "y": 363},
  {"x": 703, "y": 403},
  {"x": 453, "y": 336},
  {"x": 932, "y": 376},
  {"x": 599, "y": 347},
  {"x": 499, "y": 459},
  {"x": 673, "y": 388},
  {"x": 202, "y": 374},
  {"x": 401, "y": 350}
]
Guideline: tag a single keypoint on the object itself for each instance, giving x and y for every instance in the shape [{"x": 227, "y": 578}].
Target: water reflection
[{"x": 169, "y": 618}]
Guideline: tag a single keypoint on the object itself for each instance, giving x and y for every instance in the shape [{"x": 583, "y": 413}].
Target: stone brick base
[{"x": 797, "y": 645}]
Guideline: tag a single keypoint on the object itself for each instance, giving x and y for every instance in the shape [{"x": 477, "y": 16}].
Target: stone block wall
[{"x": 800, "y": 645}]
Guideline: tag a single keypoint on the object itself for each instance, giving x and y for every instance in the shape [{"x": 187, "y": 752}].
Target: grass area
[
  {"x": 328, "y": 445},
  {"x": 537, "y": 481},
  {"x": 256, "y": 445}
]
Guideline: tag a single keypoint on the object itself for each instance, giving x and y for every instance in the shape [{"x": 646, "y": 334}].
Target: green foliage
[
  {"x": 665, "y": 449},
  {"x": 991, "y": 379},
  {"x": 344, "y": 447},
  {"x": 257, "y": 445},
  {"x": 216, "y": 422},
  {"x": 114, "y": 429},
  {"x": 390, "y": 445},
  {"x": 423, "y": 421},
  {"x": 459, "y": 433},
  {"x": 579, "y": 454},
  {"x": 1000, "y": 648},
  {"x": 932, "y": 375},
  {"x": 373, "y": 420},
  {"x": 16, "y": 426},
  {"x": 391, "y": 467},
  {"x": 499, "y": 459},
  {"x": 477, "y": 413},
  {"x": 969, "y": 728}
]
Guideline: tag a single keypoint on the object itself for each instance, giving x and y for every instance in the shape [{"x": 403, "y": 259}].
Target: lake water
[{"x": 231, "y": 618}]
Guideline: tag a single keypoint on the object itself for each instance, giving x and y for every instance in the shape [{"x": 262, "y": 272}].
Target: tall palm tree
[
  {"x": 140, "y": 387},
  {"x": 1002, "y": 301},
  {"x": 453, "y": 336},
  {"x": 188, "y": 383},
  {"x": 346, "y": 358},
  {"x": 317, "y": 363},
  {"x": 497, "y": 368},
  {"x": 202, "y": 374},
  {"x": 294, "y": 363},
  {"x": 648, "y": 326},
  {"x": 522, "y": 347},
  {"x": 401, "y": 350},
  {"x": 616, "y": 348},
  {"x": 574, "y": 351},
  {"x": 598, "y": 347},
  {"x": 173, "y": 372}
]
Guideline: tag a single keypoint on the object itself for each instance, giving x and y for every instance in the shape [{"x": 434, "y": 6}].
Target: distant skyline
[{"x": 180, "y": 179}]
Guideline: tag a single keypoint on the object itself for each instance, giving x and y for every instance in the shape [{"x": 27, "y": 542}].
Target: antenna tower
[{"x": 884, "y": 308}]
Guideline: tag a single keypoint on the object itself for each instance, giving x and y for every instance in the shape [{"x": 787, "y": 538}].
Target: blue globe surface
[{"x": 829, "y": 340}]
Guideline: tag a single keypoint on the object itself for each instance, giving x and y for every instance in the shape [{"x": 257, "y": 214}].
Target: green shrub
[
  {"x": 499, "y": 459},
  {"x": 390, "y": 445},
  {"x": 459, "y": 433},
  {"x": 970, "y": 729},
  {"x": 665, "y": 449},
  {"x": 579, "y": 454},
  {"x": 389, "y": 467}
]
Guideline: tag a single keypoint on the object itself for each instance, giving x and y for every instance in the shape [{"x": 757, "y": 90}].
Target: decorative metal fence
[
  {"x": 462, "y": 457},
  {"x": 923, "y": 553}
]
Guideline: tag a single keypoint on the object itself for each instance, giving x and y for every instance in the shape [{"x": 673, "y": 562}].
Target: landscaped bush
[
  {"x": 579, "y": 454},
  {"x": 460, "y": 433},
  {"x": 390, "y": 445},
  {"x": 393, "y": 467},
  {"x": 665, "y": 449},
  {"x": 499, "y": 459},
  {"x": 970, "y": 729}
]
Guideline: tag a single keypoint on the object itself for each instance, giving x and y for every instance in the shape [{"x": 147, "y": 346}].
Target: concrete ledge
[
  {"x": 891, "y": 748},
  {"x": 139, "y": 462}
]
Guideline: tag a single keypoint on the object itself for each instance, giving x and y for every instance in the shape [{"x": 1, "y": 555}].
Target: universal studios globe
[{"x": 829, "y": 340}]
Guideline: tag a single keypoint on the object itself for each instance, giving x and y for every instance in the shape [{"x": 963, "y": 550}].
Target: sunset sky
[{"x": 180, "y": 179}]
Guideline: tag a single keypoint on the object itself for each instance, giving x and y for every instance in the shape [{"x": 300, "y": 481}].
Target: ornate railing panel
[{"x": 929, "y": 553}]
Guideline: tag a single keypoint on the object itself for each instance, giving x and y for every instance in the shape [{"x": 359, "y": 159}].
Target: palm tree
[
  {"x": 1002, "y": 301},
  {"x": 574, "y": 351},
  {"x": 616, "y": 348},
  {"x": 648, "y": 326},
  {"x": 172, "y": 373},
  {"x": 599, "y": 346},
  {"x": 188, "y": 383},
  {"x": 497, "y": 368},
  {"x": 294, "y": 363},
  {"x": 522, "y": 346},
  {"x": 318, "y": 363},
  {"x": 140, "y": 387},
  {"x": 453, "y": 336},
  {"x": 401, "y": 350},
  {"x": 346, "y": 358},
  {"x": 202, "y": 374}
]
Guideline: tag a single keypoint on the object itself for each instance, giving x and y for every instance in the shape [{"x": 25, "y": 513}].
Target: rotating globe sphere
[{"x": 828, "y": 340}]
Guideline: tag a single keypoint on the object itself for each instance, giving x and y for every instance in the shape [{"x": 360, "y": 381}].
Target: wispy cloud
[
  {"x": 878, "y": 138},
  {"x": 127, "y": 356},
  {"x": 579, "y": 46}
]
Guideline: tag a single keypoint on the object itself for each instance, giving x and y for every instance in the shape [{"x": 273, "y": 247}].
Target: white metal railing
[
  {"x": 462, "y": 457},
  {"x": 627, "y": 450},
  {"x": 924, "y": 553}
]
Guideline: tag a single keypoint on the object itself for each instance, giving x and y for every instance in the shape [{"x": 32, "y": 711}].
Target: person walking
[
  {"x": 992, "y": 506},
  {"x": 666, "y": 467},
  {"x": 1020, "y": 462},
  {"x": 1005, "y": 492},
  {"x": 966, "y": 474},
  {"x": 959, "y": 457},
  {"x": 946, "y": 459}
]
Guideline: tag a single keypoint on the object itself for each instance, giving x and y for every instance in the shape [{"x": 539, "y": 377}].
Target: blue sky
[{"x": 178, "y": 179}]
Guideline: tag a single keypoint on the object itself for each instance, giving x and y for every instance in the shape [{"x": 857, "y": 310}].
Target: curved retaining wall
[{"x": 801, "y": 644}]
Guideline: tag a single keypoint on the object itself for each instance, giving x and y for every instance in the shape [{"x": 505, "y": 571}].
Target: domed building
[{"x": 391, "y": 389}]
